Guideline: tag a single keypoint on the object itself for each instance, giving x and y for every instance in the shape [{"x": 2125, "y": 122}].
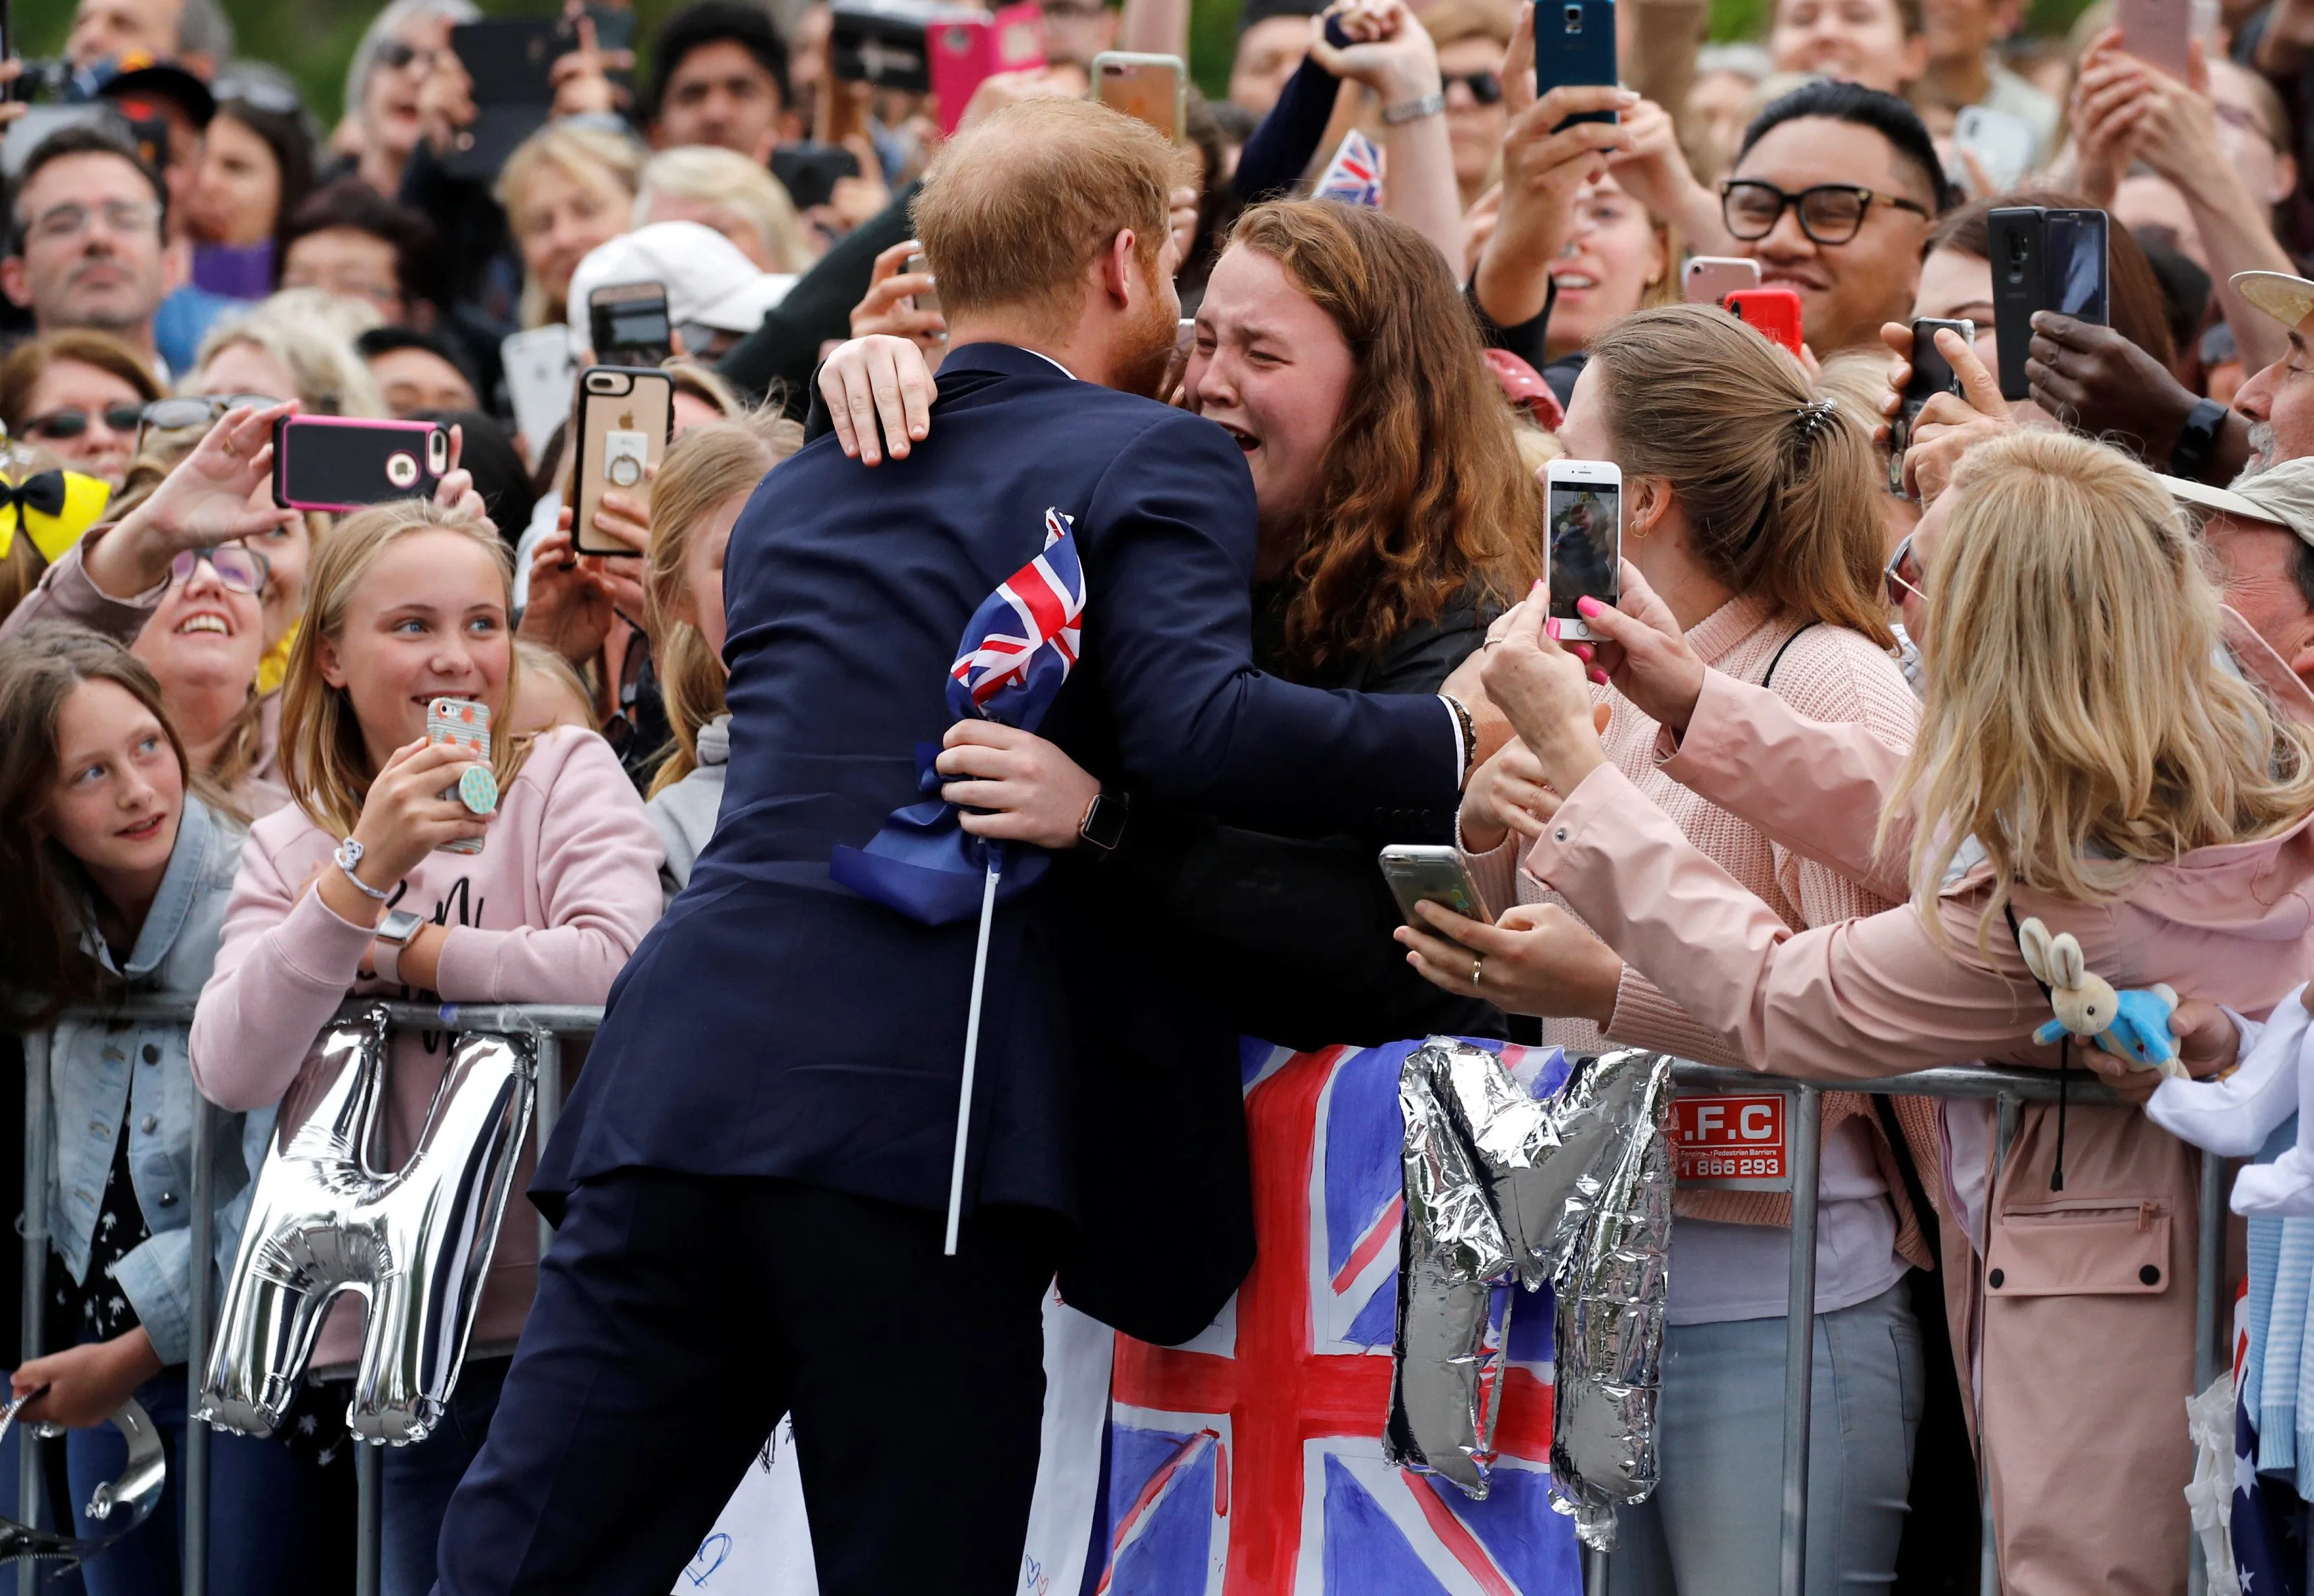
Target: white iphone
[
  {"x": 1709, "y": 279},
  {"x": 1582, "y": 510}
]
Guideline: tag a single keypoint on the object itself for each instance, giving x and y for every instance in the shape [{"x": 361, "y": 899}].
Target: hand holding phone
[
  {"x": 1583, "y": 553},
  {"x": 464, "y": 723},
  {"x": 341, "y": 463},
  {"x": 626, "y": 415},
  {"x": 1574, "y": 44},
  {"x": 1932, "y": 374},
  {"x": 2042, "y": 259},
  {"x": 1433, "y": 874}
]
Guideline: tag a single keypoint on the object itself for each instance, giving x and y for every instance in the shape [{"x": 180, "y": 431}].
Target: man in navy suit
[{"x": 754, "y": 1165}]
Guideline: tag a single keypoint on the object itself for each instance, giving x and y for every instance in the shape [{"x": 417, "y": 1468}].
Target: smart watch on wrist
[
  {"x": 2197, "y": 439},
  {"x": 391, "y": 936},
  {"x": 1103, "y": 826}
]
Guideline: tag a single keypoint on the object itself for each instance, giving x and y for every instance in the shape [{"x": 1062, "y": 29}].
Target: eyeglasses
[
  {"x": 1894, "y": 574},
  {"x": 1485, "y": 87},
  {"x": 1830, "y": 213},
  {"x": 397, "y": 53},
  {"x": 70, "y": 220},
  {"x": 59, "y": 425},
  {"x": 240, "y": 570},
  {"x": 176, "y": 415},
  {"x": 258, "y": 94}
]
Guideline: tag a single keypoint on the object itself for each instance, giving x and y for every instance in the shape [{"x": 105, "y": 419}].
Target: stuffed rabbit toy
[{"x": 2134, "y": 1025}]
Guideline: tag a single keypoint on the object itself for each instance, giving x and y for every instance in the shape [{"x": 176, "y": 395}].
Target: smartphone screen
[
  {"x": 629, "y": 324},
  {"x": 1587, "y": 544},
  {"x": 2076, "y": 257}
]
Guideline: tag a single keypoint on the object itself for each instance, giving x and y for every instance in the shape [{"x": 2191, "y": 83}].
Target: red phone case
[
  {"x": 1774, "y": 313},
  {"x": 962, "y": 52}
]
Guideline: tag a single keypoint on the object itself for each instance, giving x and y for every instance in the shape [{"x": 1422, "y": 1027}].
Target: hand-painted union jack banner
[
  {"x": 1353, "y": 176},
  {"x": 1249, "y": 1462},
  {"x": 1018, "y": 649},
  {"x": 1025, "y": 636}
]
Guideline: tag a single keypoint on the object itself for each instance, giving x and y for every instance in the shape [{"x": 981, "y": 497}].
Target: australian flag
[
  {"x": 1353, "y": 176},
  {"x": 1018, "y": 649},
  {"x": 1249, "y": 1462}
]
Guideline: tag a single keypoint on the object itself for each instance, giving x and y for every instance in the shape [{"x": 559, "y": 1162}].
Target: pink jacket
[
  {"x": 566, "y": 885},
  {"x": 1828, "y": 674},
  {"x": 2079, "y": 1309}
]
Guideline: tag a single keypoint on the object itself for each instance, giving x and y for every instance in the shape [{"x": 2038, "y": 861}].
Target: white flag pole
[{"x": 971, "y": 1058}]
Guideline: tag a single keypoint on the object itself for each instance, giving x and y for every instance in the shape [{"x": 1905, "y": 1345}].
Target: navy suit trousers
[{"x": 679, "y": 1316}]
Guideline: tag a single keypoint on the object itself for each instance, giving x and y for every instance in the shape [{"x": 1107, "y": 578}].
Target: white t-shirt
[{"x": 1722, "y": 1272}]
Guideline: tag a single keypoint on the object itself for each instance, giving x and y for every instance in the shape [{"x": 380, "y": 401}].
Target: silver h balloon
[{"x": 416, "y": 1244}]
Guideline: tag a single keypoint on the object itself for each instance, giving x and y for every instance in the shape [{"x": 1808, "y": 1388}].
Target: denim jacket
[{"x": 101, "y": 1072}]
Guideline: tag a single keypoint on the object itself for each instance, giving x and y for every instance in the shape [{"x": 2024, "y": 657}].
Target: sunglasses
[
  {"x": 258, "y": 94},
  {"x": 1485, "y": 87},
  {"x": 177, "y": 415},
  {"x": 1903, "y": 575},
  {"x": 59, "y": 425},
  {"x": 397, "y": 53},
  {"x": 240, "y": 570}
]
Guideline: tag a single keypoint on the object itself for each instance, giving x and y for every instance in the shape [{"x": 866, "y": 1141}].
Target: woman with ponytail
[
  {"x": 697, "y": 495},
  {"x": 1752, "y": 507}
]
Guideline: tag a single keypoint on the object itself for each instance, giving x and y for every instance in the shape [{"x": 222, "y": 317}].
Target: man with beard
[
  {"x": 85, "y": 240},
  {"x": 752, "y": 1170}
]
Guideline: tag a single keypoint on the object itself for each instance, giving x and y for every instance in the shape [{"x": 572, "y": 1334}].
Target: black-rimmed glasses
[
  {"x": 242, "y": 569},
  {"x": 1829, "y": 213}
]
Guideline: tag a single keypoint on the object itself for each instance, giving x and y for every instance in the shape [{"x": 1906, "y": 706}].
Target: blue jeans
[
  {"x": 267, "y": 1511},
  {"x": 1713, "y": 1526},
  {"x": 419, "y": 1479}
]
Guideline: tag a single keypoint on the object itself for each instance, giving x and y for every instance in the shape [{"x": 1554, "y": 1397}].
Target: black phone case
[
  {"x": 334, "y": 464},
  {"x": 602, "y": 320},
  {"x": 879, "y": 42},
  {"x": 2019, "y": 241},
  {"x": 1574, "y": 44},
  {"x": 807, "y": 171}
]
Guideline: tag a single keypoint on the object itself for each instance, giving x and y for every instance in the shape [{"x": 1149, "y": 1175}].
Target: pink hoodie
[{"x": 566, "y": 885}]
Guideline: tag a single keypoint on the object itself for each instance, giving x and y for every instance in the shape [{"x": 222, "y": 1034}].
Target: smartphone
[
  {"x": 880, "y": 42},
  {"x": 2018, "y": 235},
  {"x": 2156, "y": 32},
  {"x": 337, "y": 463},
  {"x": 1709, "y": 279},
  {"x": 1575, "y": 43},
  {"x": 807, "y": 170},
  {"x": 967, "y": 49},
  {"x": 538, "y": 367},
  {"x": 1774, "y": 313},
  {"x": 929, "y": 299},
  {"x": 629, "y": 324},
  {"x": 2001, "y": 143},
  {"x": 1932, "y": 373},
  {"x": 626, "y": 414},
  {"x": 1583, "y": 515},
  {"x": 2076, "y": 241},
  {"x": 1152, "y": 89},
  {"x": 466, "y": 722},
  {"x": 1431, "y": 875},
  {"x": 511, "y": 63}
]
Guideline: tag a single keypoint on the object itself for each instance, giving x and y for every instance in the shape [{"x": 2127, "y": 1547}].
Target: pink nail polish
[
  {"x": 1551, "y": 628},
  {"x": 1587, "y": 606}
]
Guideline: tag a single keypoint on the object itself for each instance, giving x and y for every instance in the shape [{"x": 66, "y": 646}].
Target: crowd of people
[{"x": 1885, "y": 683}]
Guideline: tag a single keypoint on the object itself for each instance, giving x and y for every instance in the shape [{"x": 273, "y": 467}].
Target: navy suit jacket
[{"x": 776, "y": 1024}]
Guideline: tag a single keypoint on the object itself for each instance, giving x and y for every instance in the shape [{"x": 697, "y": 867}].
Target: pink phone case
[
  {"x": 966, "y": 51},
  {"x": 424, "y": 473}
]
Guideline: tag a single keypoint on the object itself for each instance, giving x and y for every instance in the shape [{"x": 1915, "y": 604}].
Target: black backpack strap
[
  {"x": 1768, "y": 678},
  {"x": 2064, "y": 1053}
]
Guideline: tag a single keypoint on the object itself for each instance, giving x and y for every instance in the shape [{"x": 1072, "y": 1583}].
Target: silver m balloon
[
  {"x": 120, "y": 1505},
  {"x": 416, "y": 1244}
]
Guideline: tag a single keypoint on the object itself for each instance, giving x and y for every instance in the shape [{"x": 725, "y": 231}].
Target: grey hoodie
[{"x": 686, "y": 812}]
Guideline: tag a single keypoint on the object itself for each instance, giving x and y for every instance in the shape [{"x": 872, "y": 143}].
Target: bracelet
[
  {"x": 1413, "y": 110},
  {"x": 349, "y": 855},
  {"x": 2197, "y": 439}
]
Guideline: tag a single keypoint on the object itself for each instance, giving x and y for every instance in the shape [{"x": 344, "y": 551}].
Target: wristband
[
  {"x": 349, "y": 855},
  {"x": 2197, "y": 440},
  {"x": 1413, "y": 110},
  {"x": 1467, "y": 733}
]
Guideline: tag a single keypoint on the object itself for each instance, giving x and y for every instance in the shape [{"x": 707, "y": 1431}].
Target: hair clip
[{"x": 1812, "y": 415}]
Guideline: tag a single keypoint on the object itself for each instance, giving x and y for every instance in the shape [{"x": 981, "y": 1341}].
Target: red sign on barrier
[{"x": 1731, "y": 1142}]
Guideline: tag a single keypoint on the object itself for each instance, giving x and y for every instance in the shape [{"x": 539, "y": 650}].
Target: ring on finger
[{"x": 1478, "y": 970}]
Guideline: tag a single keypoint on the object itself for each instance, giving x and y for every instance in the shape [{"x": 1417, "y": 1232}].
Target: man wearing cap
[
  {"x": 2279, "y": 399},
  {"x": 715, "y": 295}
]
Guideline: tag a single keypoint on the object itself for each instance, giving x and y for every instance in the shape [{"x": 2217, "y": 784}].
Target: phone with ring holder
[{"x": 626, "y": 416}]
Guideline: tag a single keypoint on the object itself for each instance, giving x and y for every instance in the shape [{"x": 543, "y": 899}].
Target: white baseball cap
[
  {"x": 2287, "y": 299},
  {"x": 709, "y": 282},
  {"x": 2219, "y": 501}
]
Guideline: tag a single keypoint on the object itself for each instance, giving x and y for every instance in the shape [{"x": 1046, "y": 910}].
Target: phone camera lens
[{"x": 1574, "y": 15}]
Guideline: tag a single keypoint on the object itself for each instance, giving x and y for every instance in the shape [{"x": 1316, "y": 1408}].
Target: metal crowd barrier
[{"x": 2009, "y": 1087}]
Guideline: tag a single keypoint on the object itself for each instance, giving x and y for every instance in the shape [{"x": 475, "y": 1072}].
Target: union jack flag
[
  {"x": 1353, "y": 176},
  {"x": 1025, "y": 637},
  {"x": 1249, "y": 1462}
]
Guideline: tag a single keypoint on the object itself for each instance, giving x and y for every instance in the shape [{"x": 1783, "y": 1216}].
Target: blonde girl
[
  {"x": 565, "y": 190},
  {"x": 351, "y": 892}
]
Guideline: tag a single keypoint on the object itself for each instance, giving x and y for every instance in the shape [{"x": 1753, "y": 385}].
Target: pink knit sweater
[
  {"x": 1828, "y": 674},
  {"x": 566, "y": 885}
]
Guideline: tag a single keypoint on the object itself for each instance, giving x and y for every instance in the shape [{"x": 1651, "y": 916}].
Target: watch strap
[
  {"x": 2197, "y": 440},
  {"x": 1413, "y": 110},
  {"x": 386, "y": 958}
]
